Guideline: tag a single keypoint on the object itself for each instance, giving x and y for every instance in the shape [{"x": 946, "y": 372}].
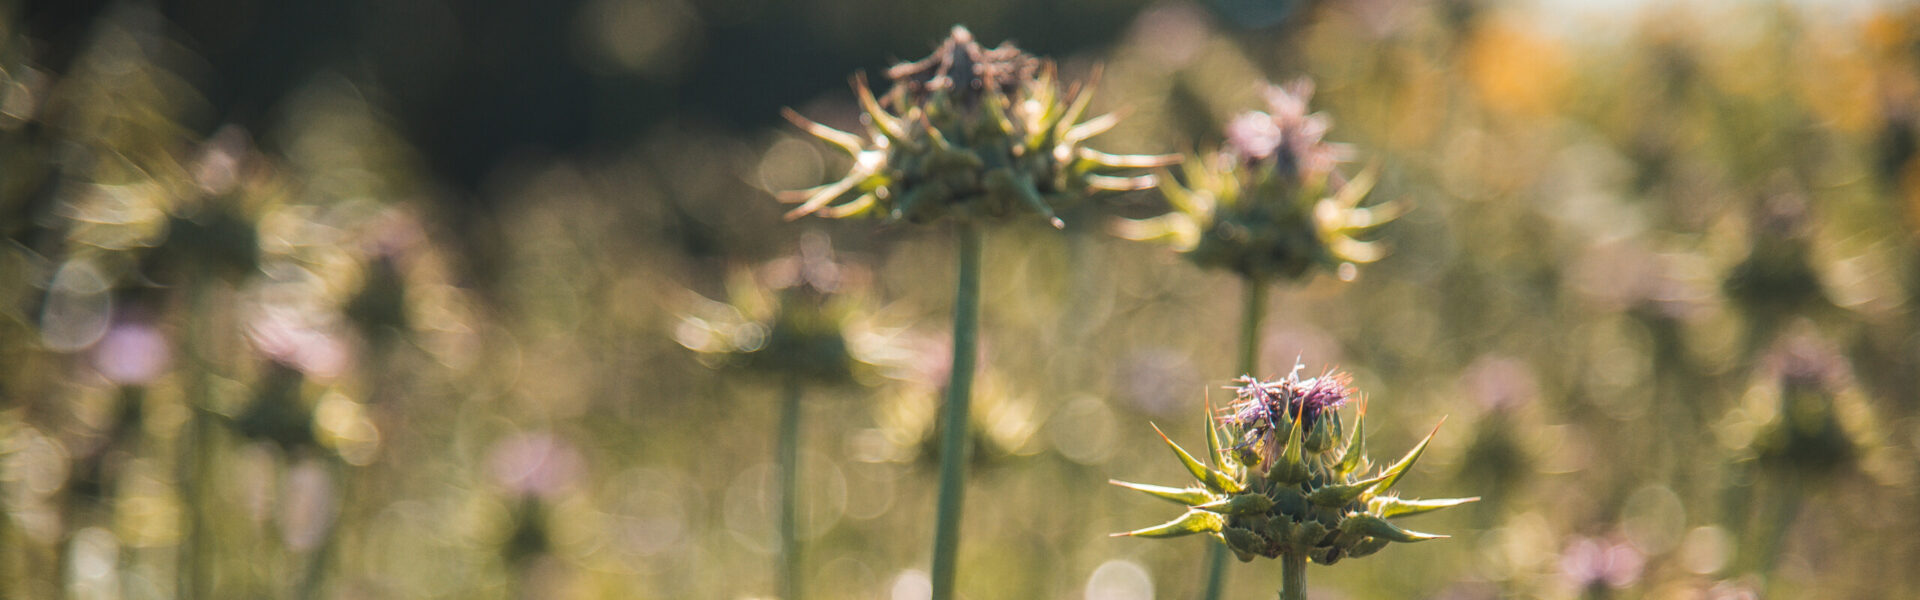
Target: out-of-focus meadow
[{"x": 430, "y": 299}]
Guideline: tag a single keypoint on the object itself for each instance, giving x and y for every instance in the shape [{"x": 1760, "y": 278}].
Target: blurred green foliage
[{"x": 392, "y": 299}]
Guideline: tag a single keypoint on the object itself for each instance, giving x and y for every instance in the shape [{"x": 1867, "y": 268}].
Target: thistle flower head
[
  {"x": 970, "y": 133},
  {"x": 1260, "y": 407},
  {"x": 1271, "y": 203},
  {"x": 1296, "y": 484}
]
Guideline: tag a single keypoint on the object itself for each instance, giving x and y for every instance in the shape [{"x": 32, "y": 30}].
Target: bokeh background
[{"x": 424, "y": 298}]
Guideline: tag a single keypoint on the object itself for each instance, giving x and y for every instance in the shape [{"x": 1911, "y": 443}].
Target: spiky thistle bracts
[
  {"x": 1295, "y": 485},
  {"x": 970, "y": 133},
  {"x": 1270, "y": 204}
]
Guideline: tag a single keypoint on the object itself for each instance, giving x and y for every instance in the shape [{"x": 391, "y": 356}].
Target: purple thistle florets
[
  {"x": 1262, "y": 409},
  {"x": 1286, "y": 135}
]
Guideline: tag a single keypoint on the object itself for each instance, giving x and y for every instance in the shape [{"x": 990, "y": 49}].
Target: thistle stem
[
  {"x": 954, "y": 440},
  {"x": 1250, "y": 317},
  {"x": 320, "y": 558},
  {"x": 790, "y": 489},
  {"x": 196, "y": 463},
  {"x": 1293, "y": 577}
]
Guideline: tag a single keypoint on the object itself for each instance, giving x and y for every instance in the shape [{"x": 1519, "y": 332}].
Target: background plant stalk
[
  {"x": 1251, "y": 315},
  {"x": 790, "y": 488}
]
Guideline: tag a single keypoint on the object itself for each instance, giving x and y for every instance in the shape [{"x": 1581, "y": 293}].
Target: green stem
[
  {"x": 320, "y": 557},
  {"x": 195, "y": 575},
  {"x": 7, "y": 552},
  {"x": 1250, "y": 317},
  {"x": 1293, "y": 577},
  {"x": 954, "y": 439},
  {"x": 1784, "y": 508},
  {"x": 790, "y": 490}
]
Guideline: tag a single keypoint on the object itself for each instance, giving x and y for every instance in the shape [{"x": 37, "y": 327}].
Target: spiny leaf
[
  {"x": 1171, "y": 226},
  {"x": 888, "y": 124},
  {"x": 1336, "y": 496},
  {"x": 1128, "y": 161},
  {"x": 853, "y": 144},
  {"x": 1179, "y": 197},
  {"x": 824, "y": 195},
  {"x": 1186, "y": 496},
  {"x": 1239, "y": 504},
  {"x": 858, "y": 205},
  {"x": 1356, "y": 190},
  {"x": 1353, "y": 250},
  {"x": 1389, "y": 507},
  {"x": 1352, "y": 457},
  {"x": 1020, "y": 188},
  {"x": 1380, "y": 528},
  {"x": 1092, "y": 127},
  {"x": 1214, "y": 450},
  {"x": 996, "y": 104},
  {"x": 1121, "y": 184},
  {"x": 1082, "y": 97},
  {"x": 1214, "y": 480},
  {"x": 1194, "y": 521},
  {"x": 1399, "y": 469},
  {"x": 1239, "y": 539},
  {"x": 1368, "y": 546},
  {"x": 1290, "y": 468}
]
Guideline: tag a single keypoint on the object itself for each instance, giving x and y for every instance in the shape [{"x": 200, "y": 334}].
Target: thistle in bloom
[
  {"x": 1295, "y": 484},
  {"x": 970, "y": 133},
  {"x": 1271, "y": 204}
]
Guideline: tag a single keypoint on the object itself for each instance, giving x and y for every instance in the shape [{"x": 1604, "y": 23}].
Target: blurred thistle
[
  {"x": 1806, "y": 434},
  {"x": 1777, "y": 280},
  {"x": 1296, "y": 486},
  {"x": 791, "y": 317},
  {"x": 1497, "y": 460},
  {"x": 1597, "y": 566},
  {"x": 1270, "y": 205},
  {"x": 535, "y": 470},
  {"x": 970, "y": 133},
  {"x": 1806, "y": 428}
]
